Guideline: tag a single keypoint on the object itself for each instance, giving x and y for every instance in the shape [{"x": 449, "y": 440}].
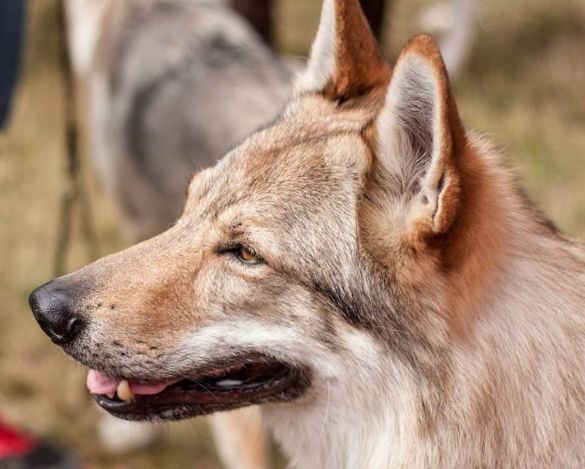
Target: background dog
[{"x": 172, "y": 86}]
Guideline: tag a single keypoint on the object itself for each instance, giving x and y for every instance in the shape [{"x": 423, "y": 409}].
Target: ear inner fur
[
  {"x": 420, "y": 134},
  {"x": 451, "y": 235}
]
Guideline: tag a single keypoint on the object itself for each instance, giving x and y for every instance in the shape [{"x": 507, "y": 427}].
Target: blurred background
[{"x": 523, "y": 86}]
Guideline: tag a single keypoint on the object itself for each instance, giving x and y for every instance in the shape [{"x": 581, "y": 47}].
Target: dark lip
[{"x": 182, "y": 400}]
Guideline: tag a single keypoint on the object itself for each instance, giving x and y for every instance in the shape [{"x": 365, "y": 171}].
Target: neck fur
[{"x": 510, "y": 361}]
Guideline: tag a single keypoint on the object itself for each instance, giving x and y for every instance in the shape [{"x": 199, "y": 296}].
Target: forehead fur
[{"x": 314, "y": 147}]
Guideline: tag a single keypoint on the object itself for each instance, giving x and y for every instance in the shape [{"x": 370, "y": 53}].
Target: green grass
[{"x": 525, "y": 86}]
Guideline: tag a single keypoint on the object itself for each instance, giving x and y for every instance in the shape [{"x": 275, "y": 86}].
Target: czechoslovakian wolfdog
[{"x": 364, "y": 269}]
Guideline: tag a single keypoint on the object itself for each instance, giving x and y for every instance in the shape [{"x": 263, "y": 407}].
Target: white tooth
[
  {"x": 124, "y": 392},
  {"x": 111, "y": 395},
  {"x": 225, "y": 383}
]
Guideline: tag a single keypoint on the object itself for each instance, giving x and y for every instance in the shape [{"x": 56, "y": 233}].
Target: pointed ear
[
  {"x": 420, "y": 136},
  {"x": 345, "y": 60}
]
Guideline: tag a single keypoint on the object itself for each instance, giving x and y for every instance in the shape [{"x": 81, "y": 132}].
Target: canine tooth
[
  {"x": 229, "y": 382},
  {"x": 124, "y": 391}
]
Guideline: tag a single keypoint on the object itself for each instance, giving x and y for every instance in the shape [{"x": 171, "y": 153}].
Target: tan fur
[
  {"x": 440, "y": 316},
  {"x": 240, "y": 439},
  {"x": 360, "y": 67}
]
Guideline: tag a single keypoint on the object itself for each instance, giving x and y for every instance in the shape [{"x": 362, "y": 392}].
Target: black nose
[{"x": 52, "y": 308}]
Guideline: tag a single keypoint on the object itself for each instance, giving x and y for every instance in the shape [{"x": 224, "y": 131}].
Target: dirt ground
[{"x": 524, "y": 87}]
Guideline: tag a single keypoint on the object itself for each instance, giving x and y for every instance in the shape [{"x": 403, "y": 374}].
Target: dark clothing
[
  {"x": 11, "y": 34},
  {"x": 260, "y": 14},
  {"x": 374, "y": 11}
]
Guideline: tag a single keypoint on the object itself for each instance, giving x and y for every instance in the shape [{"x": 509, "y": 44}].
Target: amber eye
[
  {"x": 246, "y": 255},
  {"x": 243, "y": 254}
]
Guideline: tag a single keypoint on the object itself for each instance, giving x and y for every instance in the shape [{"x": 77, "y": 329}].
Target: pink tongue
[
  {"x": 148, "y": 389},
  {"x": 98, "y": 383}
]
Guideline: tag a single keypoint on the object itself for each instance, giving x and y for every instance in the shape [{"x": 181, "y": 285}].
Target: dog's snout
[{"x": 52, "y": 308}]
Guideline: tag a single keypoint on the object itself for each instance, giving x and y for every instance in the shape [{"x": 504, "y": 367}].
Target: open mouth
[{"x": 240, "y": 383}]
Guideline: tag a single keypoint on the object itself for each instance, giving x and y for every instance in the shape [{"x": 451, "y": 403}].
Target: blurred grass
[{"x": 525, "y": 86}]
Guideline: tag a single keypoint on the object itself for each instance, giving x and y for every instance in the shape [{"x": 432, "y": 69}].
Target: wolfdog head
[{"x": 337, "y": 235}]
